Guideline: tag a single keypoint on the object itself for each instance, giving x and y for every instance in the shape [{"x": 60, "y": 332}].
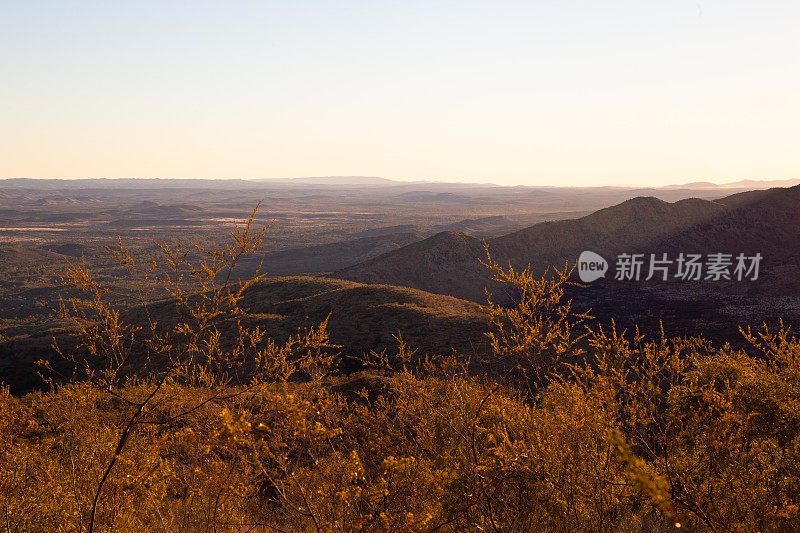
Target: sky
[{"x": 647, "y": 92}]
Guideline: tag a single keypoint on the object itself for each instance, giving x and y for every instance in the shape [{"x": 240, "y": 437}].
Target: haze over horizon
[
  {"x": 511, "y": 92},
  {"x": 377, "y": 180}
]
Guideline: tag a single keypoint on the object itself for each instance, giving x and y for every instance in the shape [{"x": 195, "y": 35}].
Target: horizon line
[{"x": 700, "y": 183}]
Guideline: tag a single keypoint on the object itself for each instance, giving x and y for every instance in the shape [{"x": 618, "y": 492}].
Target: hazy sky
[{"x": 529, "y": 92}]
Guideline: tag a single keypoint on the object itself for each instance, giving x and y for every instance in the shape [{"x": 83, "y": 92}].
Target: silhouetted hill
[
  {"x": 450, "y": 263},
  {"x": 441, "y": 264},
  {"x": 765, "y": 222}
]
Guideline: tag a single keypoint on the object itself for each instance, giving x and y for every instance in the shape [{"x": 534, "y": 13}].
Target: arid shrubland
[{"x": 180, "y": 417}]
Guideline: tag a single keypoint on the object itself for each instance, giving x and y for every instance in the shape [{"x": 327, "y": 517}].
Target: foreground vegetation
[{"x": 197, "y": 422}]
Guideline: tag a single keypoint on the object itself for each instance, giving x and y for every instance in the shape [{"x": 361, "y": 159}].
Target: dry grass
[{"x": 227, "y": 429}]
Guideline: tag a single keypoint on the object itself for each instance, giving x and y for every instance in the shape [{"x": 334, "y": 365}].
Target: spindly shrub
[{"x": 180, "y": 417}]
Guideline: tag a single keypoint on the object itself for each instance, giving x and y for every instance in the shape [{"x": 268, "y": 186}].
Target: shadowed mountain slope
[
  {"x": 450, "y": 263},
  {"x": 764, "y": 222},
  {"x": 438, "y": 264}
]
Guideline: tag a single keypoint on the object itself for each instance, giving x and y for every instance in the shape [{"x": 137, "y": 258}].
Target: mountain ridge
[{"x": 766, "y": 222}]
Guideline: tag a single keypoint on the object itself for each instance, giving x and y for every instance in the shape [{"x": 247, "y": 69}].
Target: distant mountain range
[
  {"x": 765, "y": 222},
  {"x": 742, "y": 184},
  {"x": 450, "y": 262},
  {"x": 335, "y": 181}
]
